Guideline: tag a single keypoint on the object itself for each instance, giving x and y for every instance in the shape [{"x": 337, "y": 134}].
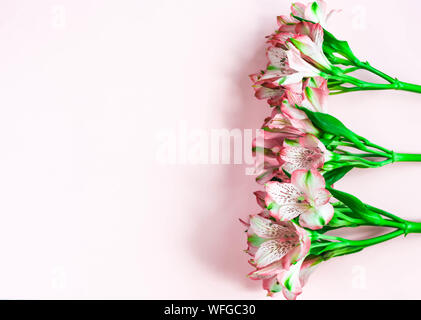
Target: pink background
[{"x": 85, "y": 88}]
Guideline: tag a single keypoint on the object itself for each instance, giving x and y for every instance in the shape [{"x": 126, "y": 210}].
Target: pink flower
[
  {"x": 306, "y": 153},
  {"x": 260, "y": 198},
  {"x": 281, "y": 36},
  {"x": 315, "y": 12},
  {"x": 299, "y": 48},
  {"x": 282, "y": 243},
  {"x": 292, "y": 281},
  {"x": 275, "y": 94},
  {"x": 268, "y": 144},
  {"x": 315, "y": 94},
  {"x": 278, "y": 249},
  {"x": 314, "y": 98},
  {"x": 286, "y": 67},
  {"x": 297, "y": 118},
  {"x": 310, "y": 50},
  {"x": 290, "y": 144},
  {"x": 289, "y": 121},
  {"x": 305, "y": 197}
]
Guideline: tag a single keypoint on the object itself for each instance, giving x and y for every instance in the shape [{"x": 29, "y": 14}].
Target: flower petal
[
  {"x": 316, "y": 97},
  {"x": 286, "y": 20},
  {"x": 316, "y": 218},
  {"x": 298, "y": 9},
  {"x": 309, "y": 141},
  {"x": 308, "y": 267},
  {"x": 260, "y": 198},
  {"x": 290, "y": 280},
  {"x": 266, "y": 272},
  {"x": 309, "y": 182},
  {"x": 272, "y": 251},
  {"x": 268, "y": 229},
  {"x": 312, "y": 52},
  {"x": 263, "y": 93},
  {"x": 321, "y": 197},
  {"x": 289, "y": 211},
  {"x": 297, "y": 63},
  {"x": 299, "y": 157},
  {"x": 277, "y": 57},
  {"x": 266, "y": 174},
  {"x": 292, "y": 112},
  {"x": 270, "y": 285},
  {"x": 281, "y": 193}
]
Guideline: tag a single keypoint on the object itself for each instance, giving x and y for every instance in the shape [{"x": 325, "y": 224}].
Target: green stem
[
  {"x": 385, "y": 213},
  {"x": 367, "y": 86},
  {"x": 371, "y": 144},
  {"x": 403, "y": 228},
  {"x": 376, "y": 240},
  {"x": 368, "y": 67},
  {"x": 413, "y": 227},
  {"x": 407, "y": 157},
  {"x": 362, "y": 243},
  {"x": 408, "y": 87},
  {"x": 359, "y": 85}
]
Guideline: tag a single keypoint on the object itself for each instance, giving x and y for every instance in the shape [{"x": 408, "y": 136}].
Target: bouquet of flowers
[{"x": 302, "y": 151}]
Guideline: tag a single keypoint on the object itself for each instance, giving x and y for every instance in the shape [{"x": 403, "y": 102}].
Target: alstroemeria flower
[
  {"x": 280, "y": 123},
  {"x": 279, "y": 244},
  {"x": 291, "y": 281},
  {"x": 275, "y": 94},
  {"x": 314, "y": 11},
  {"x": 315, "y": 94},
  {"x": 280, "y": 73},
  {"x": 278, "y": 250},
  {"x": 300, "y": 48},
  {"x": 266, "y": 147},
  {"x": 305, "y": 197},
  {"x": 306, "y": 153},
  {"x": 314, "y": 98},
  {"x": 311, "y": 51},
  {"x": 269, "y": 142},
  {"x": 287, "y": 65},
  {"x": 281, "y": 36},
  {"x": 297, "y": 118},
  {"x": 294, "y": 67}
]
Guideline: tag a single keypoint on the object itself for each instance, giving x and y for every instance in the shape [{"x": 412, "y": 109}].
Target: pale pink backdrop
[{"x": 87, "y": 211}]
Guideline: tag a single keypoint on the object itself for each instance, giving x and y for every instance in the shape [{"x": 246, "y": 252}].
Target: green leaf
[
  {"x": 332, "y": 45},
  {"x": 332, "y": 125},
  {"x": 335, "y": 175},
  {"x": 356, "y": 205}
]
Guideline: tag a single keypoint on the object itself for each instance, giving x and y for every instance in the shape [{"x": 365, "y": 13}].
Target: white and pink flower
[
  {"x": 296, "y": 53},
  {"x": 268, "y": 144},
  {"x": 297, "y": 118},
  {"x": 278, "y": 250},
  {"x": 315, "y": 94},
  {"x": 291, "y": 281},
  {"x": 315, "y": 11},
  {"x": 310, "y": 50},
  {"x": 307, "y": 153},
  {"x": 305, "y": 197}
]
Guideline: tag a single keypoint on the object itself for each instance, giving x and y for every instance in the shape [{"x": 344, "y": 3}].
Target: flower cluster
[
  {"x": 302, "y": 151},
  {"x": 302, "y": 48}
]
